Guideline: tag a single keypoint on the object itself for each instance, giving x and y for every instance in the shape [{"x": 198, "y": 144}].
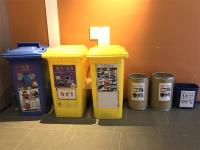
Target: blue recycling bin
[
  {"x": 30, "y": 78},
  {"x": 185, "y": 95}
]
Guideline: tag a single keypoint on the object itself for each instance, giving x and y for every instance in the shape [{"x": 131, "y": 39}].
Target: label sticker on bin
[
  {"x": 138, "y": 91},
  {"x": 187, "y": 99},
  {"x": 28, "y": 87},
  {"x": 165, "y": 91},
  {"x": 65, "y": 81},
  {"x": 107, "y": 86},
  {"x": 65, "y": 93}
]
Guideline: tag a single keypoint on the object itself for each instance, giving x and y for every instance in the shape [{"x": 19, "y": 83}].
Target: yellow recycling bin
[
  {"x": 67, "y": 65},
  {"x": 107, "y": 75}
]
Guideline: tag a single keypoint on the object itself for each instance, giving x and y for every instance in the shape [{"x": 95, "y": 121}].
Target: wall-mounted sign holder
[{"x": 101, "y": 34}]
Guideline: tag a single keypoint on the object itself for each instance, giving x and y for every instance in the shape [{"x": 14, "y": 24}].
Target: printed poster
[
  {"x": 138, "y": 91},
  {"x": 65, "y": 81},
  {"x": 107, "y": 85},
  {"x": 28, "y": 87},
  {"x": 165, "y": 91},
  {"x": 187, "y": 99}
]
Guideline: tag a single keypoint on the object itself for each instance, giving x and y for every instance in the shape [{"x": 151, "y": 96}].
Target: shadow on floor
[
  {"x": 130, "y": 117},
  {"x": 151, "y": 117},
  {"x": 11, "y": 114},
  {"x": 87, "y": 118}
]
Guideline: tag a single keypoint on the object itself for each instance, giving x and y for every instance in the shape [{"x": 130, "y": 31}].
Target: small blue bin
[
  {"x": 30, "y": 78},
  {"x": 185, "y": 95}
]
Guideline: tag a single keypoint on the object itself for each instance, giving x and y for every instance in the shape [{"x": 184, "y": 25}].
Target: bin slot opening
[{"x": 24, "y": 44}]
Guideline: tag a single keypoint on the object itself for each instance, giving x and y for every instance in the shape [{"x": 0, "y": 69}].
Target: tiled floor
[{"x": 178, "y": 129}]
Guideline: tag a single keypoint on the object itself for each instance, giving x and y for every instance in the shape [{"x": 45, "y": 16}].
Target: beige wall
[
  {"x": 4, "y": 44},
  {"x": 160, "y": 35},
  {"x": 27, "y": 21}
]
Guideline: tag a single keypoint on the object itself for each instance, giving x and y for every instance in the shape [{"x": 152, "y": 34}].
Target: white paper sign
[
  {"x": 102, "y": 34},
  {"x": 107, "y": 100},
  {"x": 66, "y": 93},
  {"x": 187, "y": 99},
  {"x": 138, "y": 91},
  {"x": 165, "y": 91}
]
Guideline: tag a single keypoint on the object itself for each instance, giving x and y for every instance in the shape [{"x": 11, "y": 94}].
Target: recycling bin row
[
  {"x": 163, "y": 92},
  {"x": 33, "y": 64},
  {"x": 67, "y": 69}
]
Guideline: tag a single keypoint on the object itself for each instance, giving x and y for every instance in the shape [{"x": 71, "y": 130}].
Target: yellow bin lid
[
  {"x": 107, "y": 51},
  {"x": 65, "y": 51}
]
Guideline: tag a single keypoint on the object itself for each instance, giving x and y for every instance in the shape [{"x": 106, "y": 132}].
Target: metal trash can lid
[
  {"x": 162, "y": 75},
  {"x": 188, "y": 86},
  {"x": 25, "y": 50},
  {"x": 137, "y": 76}
]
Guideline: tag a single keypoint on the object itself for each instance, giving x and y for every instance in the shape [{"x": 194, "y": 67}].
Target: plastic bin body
[
  {"x": 107, "y": 75},
  {"x": 185, "y": 95},
  {"x": 162, "y": 91},
  {"x": 67, "y": 74},
  {"x": 138, "y": 87},
  {"x": 28, "y": 75}
]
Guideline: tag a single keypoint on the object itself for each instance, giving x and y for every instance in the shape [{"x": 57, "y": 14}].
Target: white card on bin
[
  {"x": 187, "y": 99},
  {"x": 66, "y": 93},
  {"x": 107, "y": 99}
]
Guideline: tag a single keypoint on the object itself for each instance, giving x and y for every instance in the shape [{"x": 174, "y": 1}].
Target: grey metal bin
[
  {"x": 138, "y": 86},
  {"x": 162, "y": 91}
]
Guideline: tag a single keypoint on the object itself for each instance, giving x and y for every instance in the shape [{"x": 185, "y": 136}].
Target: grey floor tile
[
  {"x": 10, "y": 138},
  {"x": 139, "y": 118},
  {"x": 197, "y": 107},
  {"x": 145, "y": 130},
  {"x": 142, "y": 130},
  {"x": 52, "y": 126},
  {"x": 186, "y": 116},
  {"x": 95, "y": 140},
  {"x": 51, "y": 118},
  {"x": 12, "y": 113},
  {"x": 92, "y": 127},
  {"x": 179, "y": 129},
  {"x": 40, "y": 139},
  {"x": 185, "y": 142},
  {"x": 12, "y": 118},
  {"x": 144, "y": 142},
  {"x": 148, "y": 116},
  {"x": 18, "y": 124}
]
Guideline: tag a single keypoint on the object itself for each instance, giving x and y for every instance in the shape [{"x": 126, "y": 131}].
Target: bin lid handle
[{"x": 25, "y": 44}]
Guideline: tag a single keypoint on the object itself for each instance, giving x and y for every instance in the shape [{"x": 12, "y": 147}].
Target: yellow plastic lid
[
  {"x": 107, "y": 51},
  {"x": 66, "y": 51}
]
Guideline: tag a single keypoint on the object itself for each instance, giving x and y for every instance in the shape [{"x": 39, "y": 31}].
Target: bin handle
[
  {"x": 23, "y": 44},
  {"x": 6, "y": 51},
  {"x": 88, "y": 71}
]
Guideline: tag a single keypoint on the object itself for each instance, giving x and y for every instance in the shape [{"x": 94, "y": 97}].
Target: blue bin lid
[
  {"x": 25, "y": 50},
  {"x": 188, "y": 86}
]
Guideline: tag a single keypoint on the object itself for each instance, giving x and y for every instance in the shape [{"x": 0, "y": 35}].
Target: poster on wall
[
  {"x": 107, "y": 85},
  {"x": 28, "y": 88},
  {"x": 65, "y": 81}
]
